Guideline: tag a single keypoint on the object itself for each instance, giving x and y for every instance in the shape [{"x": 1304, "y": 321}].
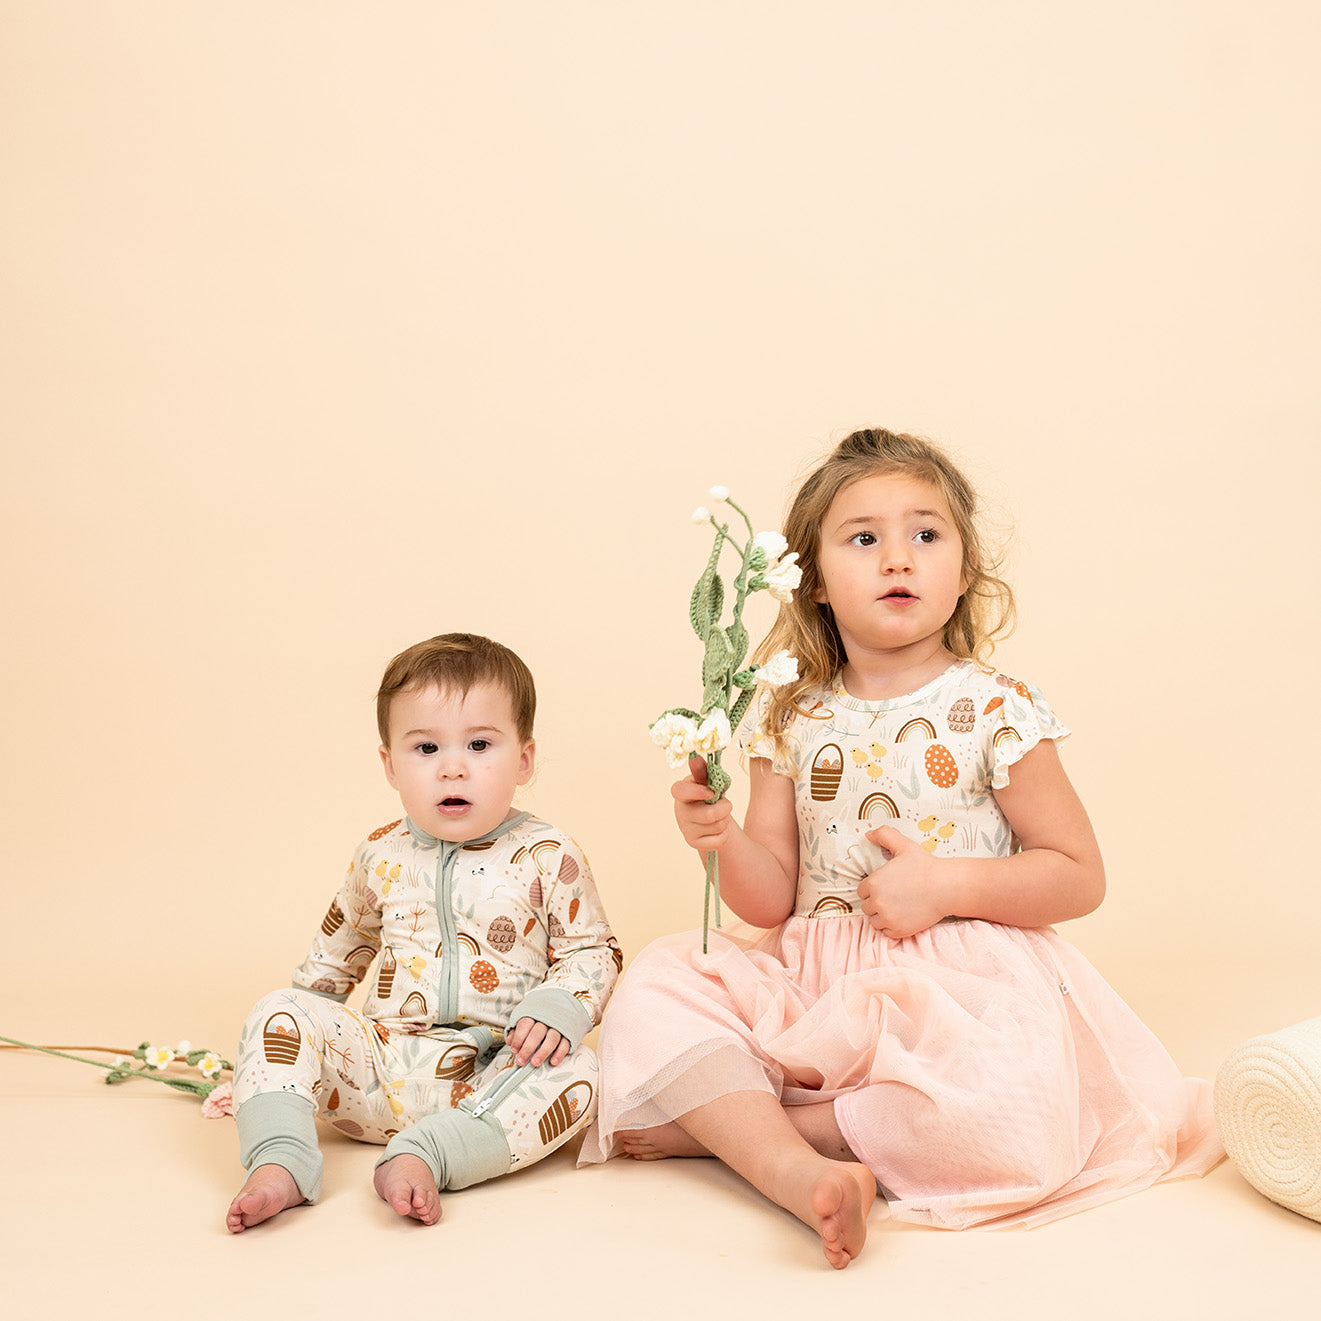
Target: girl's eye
[
  {"x": 928, "y": 536},
  {"x": 426, "y": 749},
  {"x": 479, "y": 745},
  {"x": 863, "y": 539}
]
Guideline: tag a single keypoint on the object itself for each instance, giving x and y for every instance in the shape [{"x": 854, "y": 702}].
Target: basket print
[
  {"x": 334, "y": 918},
  {"x": 565, "y": 1110},
  {"x": 385, "y": 978},
  {"x": 827, "y": 767},
  {"x": 280, "y": 1039},
  {"x": 457, "y": 1062}
]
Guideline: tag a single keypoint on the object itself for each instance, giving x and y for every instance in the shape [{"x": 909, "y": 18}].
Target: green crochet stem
[
  {"x": 712, "y": 895},
  {"x": 119, "y": 1072}
]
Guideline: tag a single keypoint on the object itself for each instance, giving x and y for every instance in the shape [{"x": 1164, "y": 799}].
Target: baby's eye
[
  {"x": 863, "y": 539},
  {"x": 928, "y": 535},
  {"x": 478, "y": 745},
  {"x": 426, "y": 749}
]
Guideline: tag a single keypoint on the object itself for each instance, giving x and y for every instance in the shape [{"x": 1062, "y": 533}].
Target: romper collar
[{"x": 491, "y": 836}]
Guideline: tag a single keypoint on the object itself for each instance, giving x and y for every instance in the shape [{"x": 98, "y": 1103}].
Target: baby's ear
[
  {"x": 527, "y": 762},
  {"x": 389, "y": 766}
]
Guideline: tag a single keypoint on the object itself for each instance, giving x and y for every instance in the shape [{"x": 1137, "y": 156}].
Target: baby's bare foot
[
  {"x": 660, "y": 1142},
  {"x": 269, "y": 1190},
  {"x": 406, "y": 1184}
]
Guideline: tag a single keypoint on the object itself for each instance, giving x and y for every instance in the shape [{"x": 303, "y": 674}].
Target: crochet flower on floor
[{"x": 155, "y": 1064}]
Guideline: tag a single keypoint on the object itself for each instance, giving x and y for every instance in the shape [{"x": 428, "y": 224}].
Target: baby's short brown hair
[{"x": 456, "y": 662}]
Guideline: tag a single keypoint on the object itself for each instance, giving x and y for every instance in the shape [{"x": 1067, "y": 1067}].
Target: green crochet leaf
[
  {"x": 738, "y": 644},
  {"x": 716, "y": 662},
  {"x": 715, "y": 694},
  {"x": 708, "y": 598},
  {"x": 707, "y": 602}
]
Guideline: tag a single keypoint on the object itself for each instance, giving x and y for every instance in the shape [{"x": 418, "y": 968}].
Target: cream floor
[{"x": 117, "y": 1211}]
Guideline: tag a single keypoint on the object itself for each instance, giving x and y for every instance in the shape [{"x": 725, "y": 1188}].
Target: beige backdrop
[{"x": 328, "y": 327}]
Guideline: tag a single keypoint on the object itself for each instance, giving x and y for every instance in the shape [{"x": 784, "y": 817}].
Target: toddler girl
[{"x": 910, "y": 1018}]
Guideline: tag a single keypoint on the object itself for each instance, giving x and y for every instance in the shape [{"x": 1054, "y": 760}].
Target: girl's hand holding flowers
[{"x": 703, "y": 823}]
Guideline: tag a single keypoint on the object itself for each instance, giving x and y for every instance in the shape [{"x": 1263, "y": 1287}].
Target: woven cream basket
[{"x": 1268, "y": 1106}]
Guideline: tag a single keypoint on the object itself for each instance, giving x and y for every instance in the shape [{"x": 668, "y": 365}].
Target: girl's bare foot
[
  {"x": 269, "y": 1190},
  {"x": 660, "y": 1142},
  {"x": 407, "y": 1185},
  {"x": 832, "y": 1197}
]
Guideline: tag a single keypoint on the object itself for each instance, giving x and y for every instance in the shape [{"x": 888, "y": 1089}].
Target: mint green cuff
[
  {"x": 279, "y": 1128},
  {"x": 557, "y": 1008},
  {"x": 459, "y": 1148}
]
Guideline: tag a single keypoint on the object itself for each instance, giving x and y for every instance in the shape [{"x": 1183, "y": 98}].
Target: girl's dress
[{"x": 986, "y": 1074}]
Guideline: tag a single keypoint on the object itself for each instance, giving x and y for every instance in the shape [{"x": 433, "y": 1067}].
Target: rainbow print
[
  {"x": 875, "y": 805},
  {"x": 1006, "y": 735},
  {"x": 918, "y": 727},
  {"x": 541, "y": 851}
]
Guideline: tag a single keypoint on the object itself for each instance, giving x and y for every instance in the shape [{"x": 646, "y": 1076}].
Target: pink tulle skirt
[{"x": 987, "y": 1075}]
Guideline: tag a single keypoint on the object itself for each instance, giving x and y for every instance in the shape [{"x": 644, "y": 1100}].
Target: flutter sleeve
[
  {"x": 1022, "y": 720},
  {"x": 752, "y": 738}
]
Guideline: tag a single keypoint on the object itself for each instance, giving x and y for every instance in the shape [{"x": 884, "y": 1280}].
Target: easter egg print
[
  {"x": 500, "y": 935},
  {"x": 483, "y": 977},
  {"x": 381, "y": 831},
  {"x": 942, "y": 769},
  {"x": 962, "y": 716},
  {"x": 568, "y": 870},
  {"x": 458, "y": 1091}
]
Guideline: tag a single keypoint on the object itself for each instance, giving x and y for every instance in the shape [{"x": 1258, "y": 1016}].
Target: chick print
[
  {"x": 392, "y": 1090},
  {"x": 942, "y": 833},
  {"x": 869, "y": 759},
  {"x": 415, "y": 965},
  {"x": 387, "y": 875}
]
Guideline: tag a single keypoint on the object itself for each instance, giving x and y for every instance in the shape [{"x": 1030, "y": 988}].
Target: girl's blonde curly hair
[{"x": 807, "y": 629}]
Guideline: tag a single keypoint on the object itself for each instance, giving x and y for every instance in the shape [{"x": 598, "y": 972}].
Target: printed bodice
[{"x": 925, "y": 763}]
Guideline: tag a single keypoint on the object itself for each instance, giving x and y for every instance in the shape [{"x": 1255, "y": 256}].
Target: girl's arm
[
  {"x": 758, "y": 861},
  {"x": 1056, "y": 875}
]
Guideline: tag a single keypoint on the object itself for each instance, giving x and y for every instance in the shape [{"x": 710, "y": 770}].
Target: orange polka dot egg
[{"x": 942, "y": 769}]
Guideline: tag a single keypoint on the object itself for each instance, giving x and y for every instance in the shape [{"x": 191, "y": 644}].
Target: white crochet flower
[
  {"x": 158, "y": 1057},
  {"x": 677, "y": 735},
  {"x": 782, "y": 668},
  {"x": 210, "y": 1065},
  {"x": 782, "y": 578},
  {"x": 714, "y": 733},
  {"x": 772, "y": 543},
  {"x": 719, "y": 493},
  {"x": 701, "y": 514}
]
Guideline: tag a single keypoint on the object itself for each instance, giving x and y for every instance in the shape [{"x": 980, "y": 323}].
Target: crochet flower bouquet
[{"x": 727, "y": 685}]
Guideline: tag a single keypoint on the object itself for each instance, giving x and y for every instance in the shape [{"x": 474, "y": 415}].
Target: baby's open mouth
[{"x": 454, "y": 802}]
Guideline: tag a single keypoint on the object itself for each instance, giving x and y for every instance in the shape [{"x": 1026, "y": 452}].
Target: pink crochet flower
[{"x": 219, "y": 1102}]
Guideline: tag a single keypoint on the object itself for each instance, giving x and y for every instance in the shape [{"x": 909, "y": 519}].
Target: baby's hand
[
  {"x": 705, "y": 825},
  {"x": 535, "y": 1041},
  {"x": 902, "y": 897}
]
